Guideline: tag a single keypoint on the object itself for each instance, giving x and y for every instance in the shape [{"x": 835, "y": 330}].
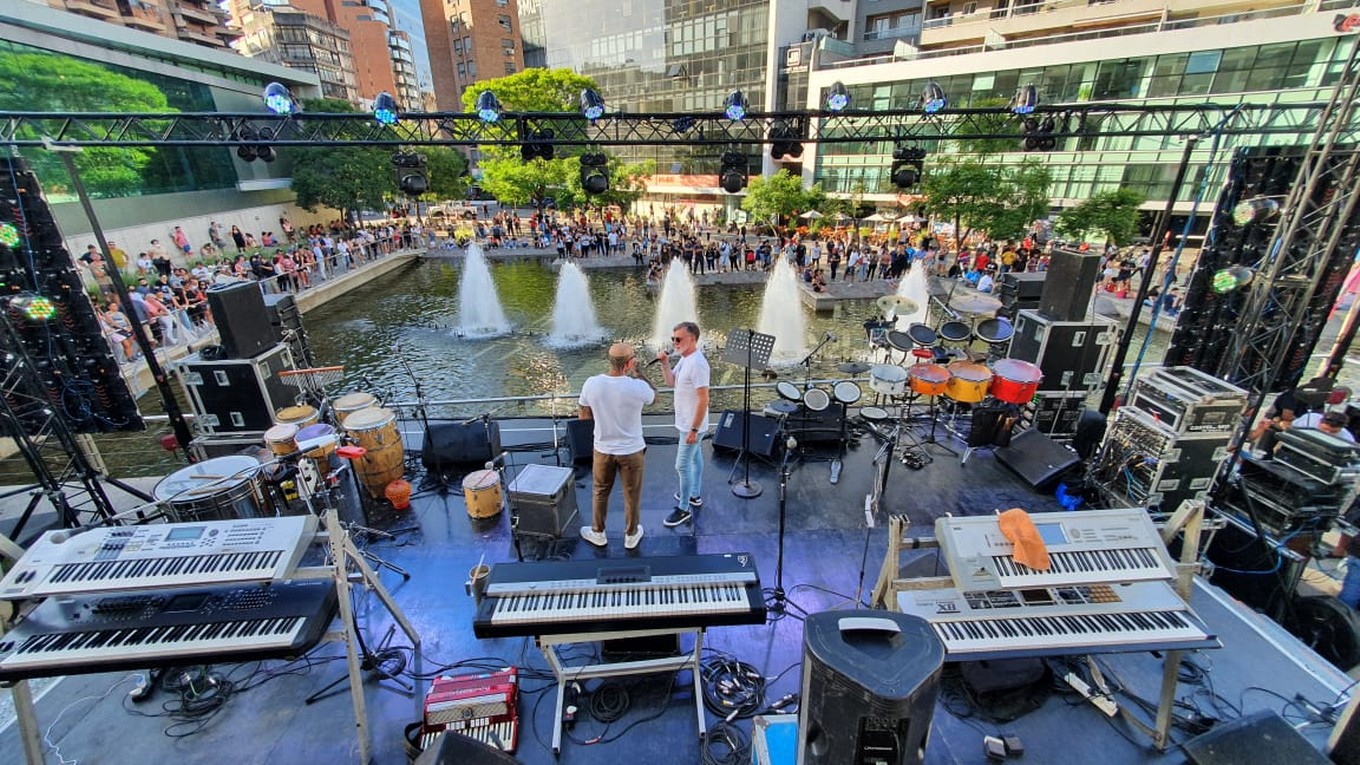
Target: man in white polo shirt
[{"x": 614, "y": 400}]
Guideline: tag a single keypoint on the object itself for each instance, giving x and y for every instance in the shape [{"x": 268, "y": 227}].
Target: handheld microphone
[
  {"x": 653, "y": 362},
  {"x": 831, "y": 337}
]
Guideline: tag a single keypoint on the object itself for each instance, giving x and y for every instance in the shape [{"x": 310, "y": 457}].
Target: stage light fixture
[
  {"x": 592, "y": 105},
  {"x": 734, "y": 106},
  {"x": 908, "y": 166},
  {"x": 838, "y": 97},
  {"x": 413, "y": 176},
  {"x": 1255, "y": 210},
  {"x": 1038, "y": 134},
  {"x": 1231, "y": 278},
  {"x": 488, "y": 106},
  {"x": 385, "y": 109},
  {"x": 252, "y": 145},
  {"x": 537, "y": 145},
  {"x": 732, "y": 177},
  {"x": 34, "y": 307},
  {"x": 594, "y": 173},
  {"x": 279, "y": 100},
  {"x": 1026, "y": 100},
  {"x": 9, "y": 235},
  {"x": 933, "y": 98},
  {"x": 785, "y": 142}
]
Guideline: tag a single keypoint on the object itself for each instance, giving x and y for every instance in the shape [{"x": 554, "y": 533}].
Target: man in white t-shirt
[
  {"x": 690, "y": 378},
  {"x": 614, "y": 400}
]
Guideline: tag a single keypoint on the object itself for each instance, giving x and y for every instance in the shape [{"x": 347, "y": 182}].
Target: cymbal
[
  {"x": 974, "y": 303},
  {"x": 854, "y": 367},
  {"x": 896, "y": 304}
]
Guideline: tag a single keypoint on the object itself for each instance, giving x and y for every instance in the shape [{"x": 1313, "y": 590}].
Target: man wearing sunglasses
[{"x": 690, "y": 378}]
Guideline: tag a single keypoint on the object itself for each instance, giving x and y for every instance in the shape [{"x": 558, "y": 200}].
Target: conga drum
[
  {"x": 482, "y": 493},
  {"x": 375, "y": 429},
  {"x": 301, "y": 416},
  {"x": 350, "y": 403},
  {"x": 281, "y": 439}
]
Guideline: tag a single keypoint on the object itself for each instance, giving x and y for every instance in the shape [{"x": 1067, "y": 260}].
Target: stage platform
[{"x": 833, "y": 552}]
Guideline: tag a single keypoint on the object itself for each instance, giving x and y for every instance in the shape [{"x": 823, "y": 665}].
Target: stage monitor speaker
[
  {"x": 1070, "y": 285},
  {"x": 1261, "y": 736},
  {"x": 581, "y": 441},
  {"x": 870, "y": 681},
  {"x": 1038, "y": 459},
  {"x": 460, "y": 445},
  {"x": 242, "y": 320},
  {"x": 730, "y": 427}
]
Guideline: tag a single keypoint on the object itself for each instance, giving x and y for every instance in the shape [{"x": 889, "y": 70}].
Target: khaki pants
[{"x": 605, "y": 467}]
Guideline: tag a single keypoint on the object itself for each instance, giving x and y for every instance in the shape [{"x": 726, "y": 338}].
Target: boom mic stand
[{"x": 778, "y": 602}]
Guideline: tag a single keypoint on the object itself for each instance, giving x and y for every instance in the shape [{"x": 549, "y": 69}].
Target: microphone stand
[
  {"x": 441, "y": 483},
  {"x": 779, "y": 603}
]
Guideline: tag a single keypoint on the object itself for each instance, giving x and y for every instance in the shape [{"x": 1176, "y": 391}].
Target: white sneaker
[
  {"x": 594, "y": 537},
  {"x": 630, "y": 541}
]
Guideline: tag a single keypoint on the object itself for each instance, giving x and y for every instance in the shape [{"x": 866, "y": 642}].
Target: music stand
[{"x": 747, "y": 348}]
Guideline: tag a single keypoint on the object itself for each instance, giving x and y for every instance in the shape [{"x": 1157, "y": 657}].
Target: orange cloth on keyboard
[{"x": 1029, "y": 546}]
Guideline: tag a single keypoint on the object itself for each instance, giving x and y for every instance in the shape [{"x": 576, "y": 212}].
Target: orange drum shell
[
  {"x": 968, "y": 382},
  {"x": 928, "y": 379}
]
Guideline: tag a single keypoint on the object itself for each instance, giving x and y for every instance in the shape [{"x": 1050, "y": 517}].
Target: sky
[{"x": 407, "y": 14}]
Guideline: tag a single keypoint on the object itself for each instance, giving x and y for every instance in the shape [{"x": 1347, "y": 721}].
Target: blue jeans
[
  {"x": 689, "y": 464},
  {"x": 1350, "y": 586}
]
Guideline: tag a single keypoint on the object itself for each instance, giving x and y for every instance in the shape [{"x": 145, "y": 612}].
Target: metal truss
[
  {"x": 1313, "y": 221},
  {"x": 464, "y": 129}
]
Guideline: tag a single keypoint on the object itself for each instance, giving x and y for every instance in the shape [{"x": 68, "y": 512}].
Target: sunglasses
[{"x": 677, "y": 339}]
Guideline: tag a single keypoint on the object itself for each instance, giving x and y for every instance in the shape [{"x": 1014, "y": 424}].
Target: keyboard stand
[{"x": 568, "y": 674}]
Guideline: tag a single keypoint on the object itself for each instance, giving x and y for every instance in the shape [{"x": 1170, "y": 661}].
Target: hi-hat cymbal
[
  {"x": 854, "y": 367},
  {"x": 896, "y": 304},
  {"x": 974, "y": 303}
]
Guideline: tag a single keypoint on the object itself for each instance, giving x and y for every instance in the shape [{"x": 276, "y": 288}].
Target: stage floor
[{"x": 832, "y": 556}]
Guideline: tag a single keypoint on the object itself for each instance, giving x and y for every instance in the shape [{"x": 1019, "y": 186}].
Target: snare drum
[
  {"x": 928, "y": 379},
  {"x": 350, "y": 403},
  {"x": 922, "y": 335},
  {"x": 318, "y": 443},
  {"x": 995, "y": 331},
  {"x": 375, "y": 429},
  {"x": 780, "y": 408},
  {"x": 873, "y": 414},
  {"x": 788, "y": 391},
  {"x": 816, "y": 400},
  {"x": 888, "y": 380},
  {"x": 902, "y": 341},
  {"x": 301, "y": 416},
  {"x": 281, "y": 439},
  {"x": 482, "y": 494},
  {"x": 955, "y": 332},
  {"x": 1015, "y": 381},
  {"x": 217, "y": 489},
  {"x": 968, "y": 382},
  {"x": 846, "y": 392}
]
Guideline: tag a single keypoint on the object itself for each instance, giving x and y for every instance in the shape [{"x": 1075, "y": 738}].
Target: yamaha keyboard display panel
[{"x": 560, "y": 597}]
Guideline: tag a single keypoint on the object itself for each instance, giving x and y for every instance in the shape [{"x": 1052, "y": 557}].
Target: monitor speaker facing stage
[
  {"x": 461, "y": 445},
  {"x": 1038, "y": 459},
  {"x": 730, "y": 427},
  {"x": 581, "y": 441}
]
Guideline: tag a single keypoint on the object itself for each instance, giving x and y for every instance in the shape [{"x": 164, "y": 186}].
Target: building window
[
  {"x": 969, "y": 9},
  {"x": 458, "y": 46},
  {"x": 509, "y": 52},
  {"x": 504, "y": 21},
  {"x": 509, "y": 67},
  {"x": 462, "y": 69}
]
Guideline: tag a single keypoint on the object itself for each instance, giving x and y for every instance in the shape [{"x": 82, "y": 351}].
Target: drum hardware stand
[
  {"x": 779, "y": 602},
  {"x": 930, "y": 438},
  {"x": 350, "y": 528},
  {"x": 749, "y": 349}
]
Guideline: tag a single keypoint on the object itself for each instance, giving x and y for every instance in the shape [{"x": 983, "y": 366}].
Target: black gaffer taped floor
[{"x": 832, "y": 556}]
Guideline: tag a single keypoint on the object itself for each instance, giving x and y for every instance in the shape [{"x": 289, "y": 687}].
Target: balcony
[
  {"x": 105, "y": 10},
  {"x": 892, "y": 33},
  {"x": 202, "y": 37},
  {"x": 193, "y": 12},
  {"x": 1036, "y": 19},
  {"x": 145, "y": 19}
]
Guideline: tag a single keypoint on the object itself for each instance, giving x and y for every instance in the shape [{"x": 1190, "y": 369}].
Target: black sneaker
[
  {"x": 678, "y": 516},
  {"x": 694, "y": 502}
]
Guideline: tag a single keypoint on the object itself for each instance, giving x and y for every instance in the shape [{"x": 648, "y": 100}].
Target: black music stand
[{"x": 748, "y": 348}]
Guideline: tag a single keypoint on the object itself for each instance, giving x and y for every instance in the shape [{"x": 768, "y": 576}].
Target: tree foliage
[
  {"x": 342, "y": 177},
  {"x": 448, "y": 170},
  {"x": 1002, "y": 200},
  {"x": 40, "y": 82},
  {"x": 1113, "y": 213},
  {"x": 773, "y": 199}
]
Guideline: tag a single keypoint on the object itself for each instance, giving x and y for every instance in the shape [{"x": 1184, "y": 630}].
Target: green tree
[
  {"x": 1113, "y": 213},
  {"x": 1002, "y": 200},
  {"x": 448, "y": 171},
  {"x": 345, "y": 178},
  {"x": 41, "y": 82},
  {"x": 774, "y": 199}
]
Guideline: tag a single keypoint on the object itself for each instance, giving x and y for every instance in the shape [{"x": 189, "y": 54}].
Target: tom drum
[
  {"x": 873, "y": 413},
  {"x": 888, "y": 380},
  {"x": 955, "y": 332},
  {"x": 995, "y": 331},
  {"x": 780, "y": 408},
  {"x": 968, "y": 382},
  {"x": 922, "y": 335},
  {"x": 846, "y": 392},
  {"x": 902, "y": 341},
  {"x": 816, "y": 400},
  {"x": 1015, "y": 381},
  {"x": 217, "y": 489},
  {"x": 928, "y": 379},
  {"x": 482, "y": 493},
  {"x": 788, "y": 391},
  {"x": 376, "y": 430}
]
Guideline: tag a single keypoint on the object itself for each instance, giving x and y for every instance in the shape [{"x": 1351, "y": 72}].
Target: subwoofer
[
  {"x": 242, "y": 320},
  {"x": 870, "y": 680},
  {"x": 1069, "y": 286},
  {"x": 460, "y": 445}
]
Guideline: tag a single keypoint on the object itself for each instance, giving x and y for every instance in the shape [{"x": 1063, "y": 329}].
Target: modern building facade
[
  {"x": 1149, "y": 52},
  {"x": 404, "y": 74},
  {"x": 200, "y": 22},
  {"x": 468, "y": 41},
  {"x": 284, "y": 35}
]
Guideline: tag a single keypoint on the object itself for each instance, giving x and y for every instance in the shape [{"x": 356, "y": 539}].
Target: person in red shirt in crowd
[{"x": 982, "y": 260}]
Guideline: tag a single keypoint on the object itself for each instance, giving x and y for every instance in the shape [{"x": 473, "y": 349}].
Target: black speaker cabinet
[
  {"x": 1070, "y": 285},
  {"x": 870, "y": 680},
  {"x": 1038, "y": 459},
  {"x": 581, "y": 441},
  {"x": 242, "y": 321},
  {"x": 460, "y": 445},
  {"x": 730, "y": 427},
  {"x": 236, "y": 395}
]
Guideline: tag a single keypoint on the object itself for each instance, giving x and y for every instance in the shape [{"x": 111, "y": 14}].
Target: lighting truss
[{"x": 707, "y": 128}]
